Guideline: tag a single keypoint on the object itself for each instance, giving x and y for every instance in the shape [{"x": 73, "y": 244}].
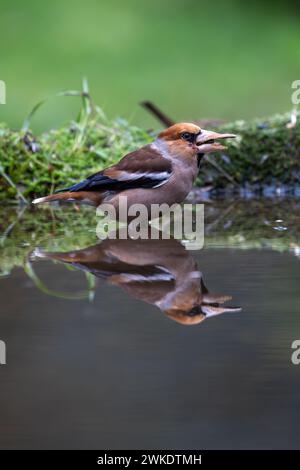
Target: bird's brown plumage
[{"x": 161, "y": 172}]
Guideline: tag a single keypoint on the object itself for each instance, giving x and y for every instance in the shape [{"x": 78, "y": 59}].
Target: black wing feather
[{"x": 101, "y": 182}]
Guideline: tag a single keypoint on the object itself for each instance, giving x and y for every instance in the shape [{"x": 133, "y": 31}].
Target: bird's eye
[{"x": 187, "y": 136}]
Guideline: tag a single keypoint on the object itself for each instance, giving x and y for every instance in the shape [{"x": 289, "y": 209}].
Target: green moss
[
  {"x": 38, "y": 165},
  {"x": 265, "y": 151}
]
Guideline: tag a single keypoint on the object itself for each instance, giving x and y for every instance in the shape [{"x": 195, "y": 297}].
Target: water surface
[{"x": 114, "y": 352}]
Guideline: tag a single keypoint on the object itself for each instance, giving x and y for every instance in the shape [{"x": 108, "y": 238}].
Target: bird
[
  {"x": 161, "y": 272},
  {"x": 160, "y": 172}
]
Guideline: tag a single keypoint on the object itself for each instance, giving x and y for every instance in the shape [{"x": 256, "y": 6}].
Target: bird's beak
[{"x": 206, "y": 141}]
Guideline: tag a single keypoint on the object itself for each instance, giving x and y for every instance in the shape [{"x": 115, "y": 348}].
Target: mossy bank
[{"x": 266, "y": 152}]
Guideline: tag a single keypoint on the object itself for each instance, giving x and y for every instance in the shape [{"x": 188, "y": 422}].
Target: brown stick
[{"x": 153, "y": 109}]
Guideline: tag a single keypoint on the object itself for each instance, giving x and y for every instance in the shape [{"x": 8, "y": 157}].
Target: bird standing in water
[{"x": 161, "y": 172}]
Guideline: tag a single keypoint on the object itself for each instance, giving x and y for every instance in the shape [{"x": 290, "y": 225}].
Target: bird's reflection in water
[{"x": 160, "y": 272}]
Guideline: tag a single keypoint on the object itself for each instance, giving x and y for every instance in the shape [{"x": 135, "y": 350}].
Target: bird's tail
[{"x": 72, "y": 196}]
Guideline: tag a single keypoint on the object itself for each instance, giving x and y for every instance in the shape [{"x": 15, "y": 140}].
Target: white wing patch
[
  {"x": 125, "y": 176},
  {"x": 161, "y": 177}
]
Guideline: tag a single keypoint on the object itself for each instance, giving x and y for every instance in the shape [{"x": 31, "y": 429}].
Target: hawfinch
[
  {"x": 161, "y": 172},
  {"x": 160, "y": 272}
]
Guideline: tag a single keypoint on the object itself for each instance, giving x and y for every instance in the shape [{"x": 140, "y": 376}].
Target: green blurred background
[{"x": 195, "y": 59}]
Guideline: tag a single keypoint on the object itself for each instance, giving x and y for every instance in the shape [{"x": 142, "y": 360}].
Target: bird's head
[{"x": 190, "y": 140}]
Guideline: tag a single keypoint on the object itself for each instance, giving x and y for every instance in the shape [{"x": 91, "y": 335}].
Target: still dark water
[{"x": 112, "y": 370}]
